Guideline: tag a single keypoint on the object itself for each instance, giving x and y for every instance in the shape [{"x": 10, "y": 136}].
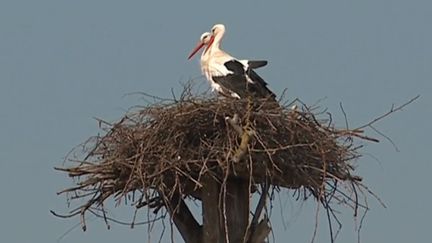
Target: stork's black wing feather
[
  {"x": 235, "y": 67},
  {"x": 259, "y": 86},
  {"x": 233, "y": 84},
  {"x": 238, "y": 81}
]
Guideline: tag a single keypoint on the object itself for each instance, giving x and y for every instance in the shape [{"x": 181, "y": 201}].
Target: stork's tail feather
[{"x": 254, "y": 64}]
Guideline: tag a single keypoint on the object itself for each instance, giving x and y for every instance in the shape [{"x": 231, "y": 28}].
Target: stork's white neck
[{"x": 218, "y": 39}]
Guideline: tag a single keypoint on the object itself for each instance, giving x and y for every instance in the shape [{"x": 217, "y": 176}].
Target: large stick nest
[{"x": 167, "y": 147}]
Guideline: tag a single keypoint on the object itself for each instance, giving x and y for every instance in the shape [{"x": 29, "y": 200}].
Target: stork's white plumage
[
  {"x": 228, "y": 75},
  {"x": 203, "y": 42}
]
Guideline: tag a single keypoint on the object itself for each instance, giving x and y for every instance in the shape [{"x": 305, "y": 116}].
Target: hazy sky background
[{"x": 64, "y": 62}]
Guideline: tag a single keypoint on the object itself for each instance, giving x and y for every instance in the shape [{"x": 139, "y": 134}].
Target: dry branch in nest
[{"x": 165, "y": 150}]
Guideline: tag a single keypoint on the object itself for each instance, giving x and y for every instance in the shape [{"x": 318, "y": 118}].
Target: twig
[
  {"x": 392, "y": 110},
  {"x": 386, "y": 137}
]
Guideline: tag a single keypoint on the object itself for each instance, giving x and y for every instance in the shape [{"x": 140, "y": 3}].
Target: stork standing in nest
[{"x": 227, "y": 75}]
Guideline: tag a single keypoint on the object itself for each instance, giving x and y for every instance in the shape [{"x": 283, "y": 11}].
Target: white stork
[{"x": 228, "y": 75}]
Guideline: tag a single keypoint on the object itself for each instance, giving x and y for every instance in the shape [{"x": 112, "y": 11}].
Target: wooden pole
[
  {"x": 225, "y": 210},
  {"x": 212, "y": 232},
  {"x": 237, "y": 209}
]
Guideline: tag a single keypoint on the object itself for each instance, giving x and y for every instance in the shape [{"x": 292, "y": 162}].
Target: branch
[
  {"x": 245, "y": 133},
  {"x": 392, "y": 110},
  {"x": 243, "y": 148},
  {"x": 185, "y": 222},
  {"x": 261, "y": 232},
  {"x": 261, "y": 204}
]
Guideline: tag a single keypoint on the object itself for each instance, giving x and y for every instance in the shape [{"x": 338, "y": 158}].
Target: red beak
[
  {"x": 199, "y": 46},
  {"x": 196, "y": 49}
]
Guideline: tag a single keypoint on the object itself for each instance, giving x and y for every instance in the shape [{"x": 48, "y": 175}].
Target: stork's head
[
  {"x": 218, "y": 29},
  {"x": 204, "y": 41},
  {"x": 208, "y": 39},
  {"x": 205, "y": 38}
]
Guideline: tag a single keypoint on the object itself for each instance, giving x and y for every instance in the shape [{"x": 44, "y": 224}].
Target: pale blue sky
[{"x": 64, "y": 62}]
